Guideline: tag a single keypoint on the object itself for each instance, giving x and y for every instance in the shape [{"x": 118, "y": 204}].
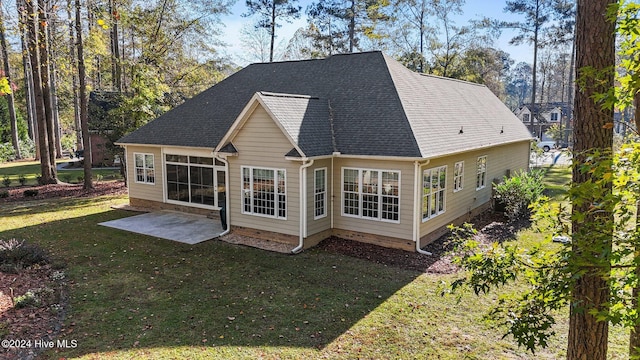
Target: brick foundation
[
  {"x": 315, "y": 239},
  {"x": 156, "y": 205}
]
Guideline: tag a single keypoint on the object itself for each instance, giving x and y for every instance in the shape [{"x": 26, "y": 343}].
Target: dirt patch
[
  {"x": 493, "y": 228},
  {"x": 64, "y": 190}
]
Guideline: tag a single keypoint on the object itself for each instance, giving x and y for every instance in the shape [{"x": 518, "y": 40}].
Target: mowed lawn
[{"x": 134, "y": 296}]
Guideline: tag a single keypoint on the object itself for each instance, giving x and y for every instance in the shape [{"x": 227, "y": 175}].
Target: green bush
[
  {"x": 22, "y": 179},
  {"x": 28, "y": 299},
  {"x": 19, "y": 254},
  {"x": 6, "y": 181},
  {"x": 516, "y": 193},
  {"x": 4, "y": 194}
]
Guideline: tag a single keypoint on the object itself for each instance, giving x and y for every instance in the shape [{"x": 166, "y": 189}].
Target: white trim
[
  {"x": 460, "y": 176},
  {"x": 244, "y": 116},
  {"x": 144, "y": 168},
  {"x": 324, "y": 208},
  {"x": 276, "y": 200},
  {"x": 360, "y": 200},
  {"x": 484, "y": 182},
  {"x": 432, "y": 193},
  {"x": 214, "y": 167}
]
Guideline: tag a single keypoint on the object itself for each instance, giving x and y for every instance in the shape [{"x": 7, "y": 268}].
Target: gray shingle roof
[
  {"x": 305, "y": 119},
  {"x": 370, "y": 103}
]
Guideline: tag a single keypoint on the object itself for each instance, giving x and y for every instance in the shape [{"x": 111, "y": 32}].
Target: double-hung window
[
  {"x": 458, "y": 176},
  {"x": 264, "y": 192},
  {"x": 320, "y": 193},
  {"x": 481, "y": 172},
  {"x": 371, "y": 194},
  {"x": 144, "y": 168},
  {"x": 434, "y": 184}
]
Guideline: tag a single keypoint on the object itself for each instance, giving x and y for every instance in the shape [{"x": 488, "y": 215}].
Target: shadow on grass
[{"x": 130, "y": 291}]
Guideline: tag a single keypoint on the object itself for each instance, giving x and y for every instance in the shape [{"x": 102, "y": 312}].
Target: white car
[{"x": 546, "y": 145}]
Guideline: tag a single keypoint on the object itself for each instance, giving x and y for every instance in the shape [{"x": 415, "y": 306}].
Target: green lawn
[
  {"x": 134, "y": 296},
  {"x": 31, "y": 170}
]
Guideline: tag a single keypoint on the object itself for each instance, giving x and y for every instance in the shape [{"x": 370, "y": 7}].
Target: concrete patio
[{"x": 170, "y": 225}]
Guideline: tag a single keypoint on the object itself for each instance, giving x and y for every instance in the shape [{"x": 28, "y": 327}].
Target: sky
[{"x": 472, "y": 9}]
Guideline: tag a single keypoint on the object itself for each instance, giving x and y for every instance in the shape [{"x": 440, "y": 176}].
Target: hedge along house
[{"x": 355, "y": 146}]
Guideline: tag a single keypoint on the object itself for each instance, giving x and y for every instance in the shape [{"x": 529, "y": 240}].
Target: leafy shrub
[
  {"x": 518, "y": 192},
  {"x": 6, "y": 181},
  {"x": 30, "y": 193},
  {"x": 4, "y": 194},
  {"x": 22, "y": 180},
  {"x": 28, "y": 299},
  {"x": 19, "y": 254},
  {"x": 66, "y": 178}
]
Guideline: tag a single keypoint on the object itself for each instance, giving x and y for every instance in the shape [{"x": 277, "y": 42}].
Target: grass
[
  {"x": 31, "y": 170},
  {"x": 134, "y": 296},
  {"x": 557, "y": 179}
]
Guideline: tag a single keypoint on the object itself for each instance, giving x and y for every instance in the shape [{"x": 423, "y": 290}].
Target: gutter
[
  {"x": 303, "y": 204},
  {"x": 416, "y": 207},
  {"x": 226, "y": 196}
]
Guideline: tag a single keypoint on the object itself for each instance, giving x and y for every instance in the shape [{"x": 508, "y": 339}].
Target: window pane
[
  {"x": 200, "y": 160},
  {"x": 176, "y": 158},
  {"x": 148, "y": 161},
  {"x": 139, "y": 160}
]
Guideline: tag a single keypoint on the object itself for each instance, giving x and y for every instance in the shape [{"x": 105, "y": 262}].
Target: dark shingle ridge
[{"x": 289, "y": 96}]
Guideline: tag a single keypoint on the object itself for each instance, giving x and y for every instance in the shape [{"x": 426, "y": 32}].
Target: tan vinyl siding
[
  {"x": 510, "y": 157},
  {"x": 261, "y": 143},
  {"x": 401, "y": 230},
  {"x": 315, "y": 226},
  {"x": 152, "y": 192}
]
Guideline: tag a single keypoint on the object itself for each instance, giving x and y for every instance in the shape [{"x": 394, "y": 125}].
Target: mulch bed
[
  {"x": 493, "y": 227},
  {"x": 65, "y": 190}
]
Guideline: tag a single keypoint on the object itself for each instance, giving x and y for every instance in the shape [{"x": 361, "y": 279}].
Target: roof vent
[{"x": 461, "y": 130}]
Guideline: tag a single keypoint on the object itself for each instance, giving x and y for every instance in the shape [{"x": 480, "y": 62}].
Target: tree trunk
[
  {"x": 74, "y": 78},
  {"x": 57, "y": 131},
  {"x": 43, "y": 46},
  {"x": 88, "y": 183},
  {"x": 534, "y": 80},
  {"x": 116, "y": 70},
  {"x": 595, "y": 38},
  {"x": 273, "y": 28},
  {"x": 634, "y": 336},
  {"x": 636, "y": 107},
  {"x": 47, "y": 167},
  {"x": 352, "y": 25},
  {"x": 28, "y": 80},
  {"x": 10, "y": 101},
  {"x": 570, "y": 88}
]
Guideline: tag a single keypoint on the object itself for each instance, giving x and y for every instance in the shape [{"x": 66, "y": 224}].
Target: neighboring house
[
  {"x": 544, "y": 115},
  {"x": 100, "y": 126},
  {"x": 354, "y": 146}
]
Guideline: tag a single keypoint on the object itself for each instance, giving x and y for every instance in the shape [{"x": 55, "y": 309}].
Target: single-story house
[{"x": 355, "y": 146}]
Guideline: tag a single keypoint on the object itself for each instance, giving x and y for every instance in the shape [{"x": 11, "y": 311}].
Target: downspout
[
  {"x": 416, "y": 208},
  {"x": 303, "y": 205},
  {"x": 226, "y": 197}
]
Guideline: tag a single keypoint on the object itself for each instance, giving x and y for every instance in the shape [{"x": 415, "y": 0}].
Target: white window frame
[
  {"x": 556, "y": 115},
  {"x": 278, "y": 174},
  {"x": 439, "y": 193},
  {"x": 188, "y": 165},
  {"x": 481, "y": 172},
  {"x": 379, "y": 194},
  {"x": 458, "y": 176},
  {"x": 319, "y": 192},
  {"x": 147, "y": 180}
]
